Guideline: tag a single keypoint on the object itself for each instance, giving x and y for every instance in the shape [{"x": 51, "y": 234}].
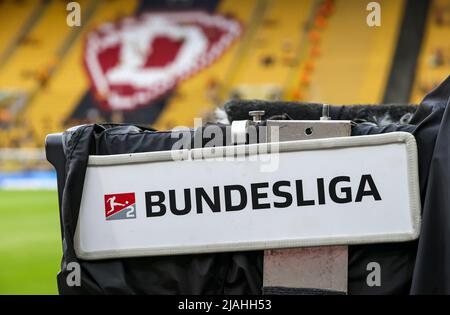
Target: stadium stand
[
  {"x": 52, "y": 105},
  {"x": 24, "y": 13},
  {"x": 434, "y": 60},
  {"x": 36, "y": 52},
  {"x": 353, "y": 68},
  {"x": 28, "y": 69},
  {"x": 292, "y": 50},
  {"x": 272, "y": 50}
]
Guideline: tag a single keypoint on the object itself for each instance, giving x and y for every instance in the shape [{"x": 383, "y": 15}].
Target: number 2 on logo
[{"x": 130, "y": 213}]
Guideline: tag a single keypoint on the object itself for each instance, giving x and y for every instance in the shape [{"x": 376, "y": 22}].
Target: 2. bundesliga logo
[{"x": 120, "y": 206}]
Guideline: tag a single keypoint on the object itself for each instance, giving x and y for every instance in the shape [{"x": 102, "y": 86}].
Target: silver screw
[{"x": 257, "y": 115}]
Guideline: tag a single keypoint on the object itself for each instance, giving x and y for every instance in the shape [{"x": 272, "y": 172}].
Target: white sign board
[{"x": 349, "y": 190}]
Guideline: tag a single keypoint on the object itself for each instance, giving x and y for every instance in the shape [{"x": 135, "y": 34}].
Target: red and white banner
[{"x": 135, "y": 61}]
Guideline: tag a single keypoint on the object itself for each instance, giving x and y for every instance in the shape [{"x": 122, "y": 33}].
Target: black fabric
[
  {"x": 413, "y": 267},
  {"x": 408, "y": 267},
  {"x": 376, "y": 114},
  {"x": 432, "y": 269}
]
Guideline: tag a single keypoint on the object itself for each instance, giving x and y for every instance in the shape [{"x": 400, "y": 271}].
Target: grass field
[{"x": 30, "y": 244}]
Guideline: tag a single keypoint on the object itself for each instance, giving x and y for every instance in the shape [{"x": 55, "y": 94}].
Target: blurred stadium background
[{"x": 53, "y": 76}]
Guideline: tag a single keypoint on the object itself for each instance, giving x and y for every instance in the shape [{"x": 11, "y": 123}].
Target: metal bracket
[{"x": 319, "y": 268}]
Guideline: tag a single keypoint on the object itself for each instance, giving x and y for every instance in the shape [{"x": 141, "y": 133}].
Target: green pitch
[{"x": 30, "y": 244}]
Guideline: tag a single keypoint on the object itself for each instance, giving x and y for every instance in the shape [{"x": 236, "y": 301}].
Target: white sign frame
[{"x": 87, "y": 234}]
